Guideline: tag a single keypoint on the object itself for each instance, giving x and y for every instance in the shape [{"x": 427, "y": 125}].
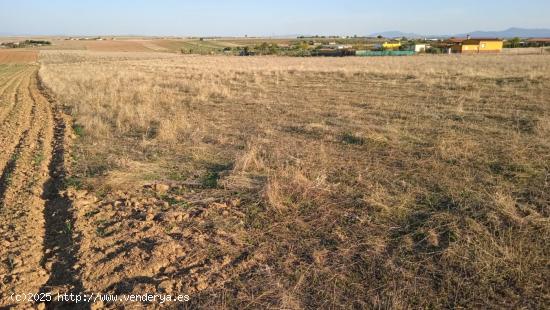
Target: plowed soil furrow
[
  {"x": 61, "y": 247},
  {"x": 7, "y": 78},
  {"x": 7, "y": 75},
  {"x": 21, "y": 190},
  {"x": 8, "y": 90},
  {"x": 17, "y": 121}
]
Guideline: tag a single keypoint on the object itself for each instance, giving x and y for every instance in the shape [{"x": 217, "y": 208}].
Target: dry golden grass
[
  {"x": 527, "y": 50},
  {"x": 363, "y": 182}
]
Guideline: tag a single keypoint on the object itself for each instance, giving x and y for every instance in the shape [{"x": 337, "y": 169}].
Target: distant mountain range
[
  {"x": 398, "y": 34},
  {"x": 508, "y": 33}
]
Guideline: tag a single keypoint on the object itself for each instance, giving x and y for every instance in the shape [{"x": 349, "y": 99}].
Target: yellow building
[
  {"x": 391, "y": 45},
  {"x": 388, "y": 46},
  {"x": 477, "y": 46}
]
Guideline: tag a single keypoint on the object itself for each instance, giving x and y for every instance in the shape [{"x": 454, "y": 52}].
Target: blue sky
[{"x": 282, "y": 17}]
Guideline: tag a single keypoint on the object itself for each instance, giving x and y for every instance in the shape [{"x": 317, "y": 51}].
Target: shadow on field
[{"x": 60, "y": 246}]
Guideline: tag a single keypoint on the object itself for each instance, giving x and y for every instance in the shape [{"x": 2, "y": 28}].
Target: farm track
[{"x": 32, "y": 138}]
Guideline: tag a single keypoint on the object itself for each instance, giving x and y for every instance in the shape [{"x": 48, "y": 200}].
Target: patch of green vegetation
[
  {"x": 98, "y": 169},
  {"x": 176, "y": 176},
  {"x": 174, "y": 202},
  {"x": 9, "y": 170},
  {"x": 526, "y": 124},
  {"x": 102, "y": 192},
  {"x": 256, "y": 216},
  {"x": 511, "y": 170},
  {"x": 152, "y": 176},
  {"x": 74, "y": 156},
  {"x": 15, "y": 157},
  {"x": 210, "y": 180},
  {"x": 72, "y": 181},
  {"x": 68, "y": 228},
  {"x": 199, "y": 47},
  {"x": 78, "y": 130},
  {"x": 440, "y": 199},
  {"x": 38, "y": 159},
  {"x": 349, "y": 138},
  {"x": 8, "y": 177},
  {"x": 26, "y": 43}
]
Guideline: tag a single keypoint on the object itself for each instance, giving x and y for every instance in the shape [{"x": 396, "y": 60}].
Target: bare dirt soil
[
  {"x": 17, "y": 56},
  {"x": 33, "y": 143},
  {"x": 107, "y": 45}
]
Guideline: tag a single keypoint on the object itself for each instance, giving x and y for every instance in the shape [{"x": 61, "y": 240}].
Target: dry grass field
[
  {"x": 526, "y": 51},
  {"x": 278, "y": 182},
  {"x": 305, "y": 183}
]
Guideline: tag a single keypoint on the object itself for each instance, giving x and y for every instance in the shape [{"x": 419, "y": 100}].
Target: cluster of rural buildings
[
  {"x": 478, "y": 45},
  {"x": 466, "y": 45},
  {"x": 398, "y": 48},
  {"x": 336, "y": 46}
]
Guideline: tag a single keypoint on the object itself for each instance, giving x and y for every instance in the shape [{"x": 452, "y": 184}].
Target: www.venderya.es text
[{"x": 97, "y": 297}]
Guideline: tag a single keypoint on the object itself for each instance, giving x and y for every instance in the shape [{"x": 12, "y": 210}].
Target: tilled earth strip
[
  {"x": 10, "y": 81},
  {"x": 27, "y": 135}
]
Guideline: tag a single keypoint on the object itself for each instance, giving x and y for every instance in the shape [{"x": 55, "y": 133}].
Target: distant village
[
  {"x": 353, "y": 46},
  {"x": 331, "y": 46}
]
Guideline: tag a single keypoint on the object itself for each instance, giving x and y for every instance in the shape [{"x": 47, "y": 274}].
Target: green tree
[{"x": 515, "y": 42}]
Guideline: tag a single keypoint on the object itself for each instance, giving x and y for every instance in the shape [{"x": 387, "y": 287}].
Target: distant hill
[
  {"x": 510, "y": 33},
  {"x": 397, "y": 34}
]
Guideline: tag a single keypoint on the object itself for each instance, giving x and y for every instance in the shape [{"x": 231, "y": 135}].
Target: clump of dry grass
[{"x": 365, "y": 183}]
